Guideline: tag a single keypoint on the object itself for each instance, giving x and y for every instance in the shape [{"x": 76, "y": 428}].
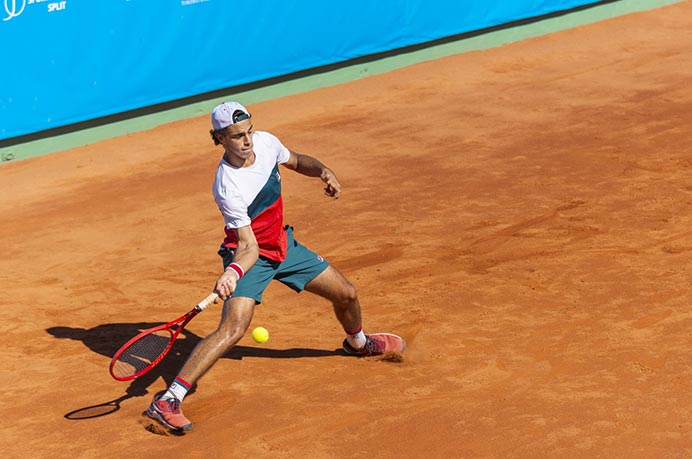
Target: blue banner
[{"x": 69, "y": 61}]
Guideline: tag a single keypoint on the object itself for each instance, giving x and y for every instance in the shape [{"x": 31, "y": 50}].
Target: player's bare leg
[
  {"x": 332, "y": 285},
  {"x": 235, "y": 320}
]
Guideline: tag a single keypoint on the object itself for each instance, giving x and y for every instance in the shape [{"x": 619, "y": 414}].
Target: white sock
[
  {"x": 357, "y": 340},
  {"x": 178, "y": 389}
]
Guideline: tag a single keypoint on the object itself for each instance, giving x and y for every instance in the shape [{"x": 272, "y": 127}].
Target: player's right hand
[{"x": 225, "y": 285}]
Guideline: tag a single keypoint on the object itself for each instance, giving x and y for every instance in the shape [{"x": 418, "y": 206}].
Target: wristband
[{"x": 237, "y": 269}]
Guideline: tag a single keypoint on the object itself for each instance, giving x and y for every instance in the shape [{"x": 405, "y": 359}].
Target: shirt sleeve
[
  {"x": 231, "y": 205},
  {"x": 234, "y": 214},
  {"x": 282, "y": 153}
]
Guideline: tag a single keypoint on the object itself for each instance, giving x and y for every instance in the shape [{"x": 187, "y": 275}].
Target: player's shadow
[{"x": 106, "y": 339}]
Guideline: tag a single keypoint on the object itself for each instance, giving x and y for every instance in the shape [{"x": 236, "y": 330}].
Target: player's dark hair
[{"x": 213, "y": 137}]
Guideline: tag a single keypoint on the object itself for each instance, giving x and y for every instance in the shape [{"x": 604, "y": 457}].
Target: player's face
[{"x": 237, "y": 140}]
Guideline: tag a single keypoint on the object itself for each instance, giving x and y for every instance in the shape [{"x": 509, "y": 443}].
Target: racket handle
[{"x": 207, "y": 301}]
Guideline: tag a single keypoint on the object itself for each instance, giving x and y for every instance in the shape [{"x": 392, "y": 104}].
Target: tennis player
[{"x": 258, "y": 248}]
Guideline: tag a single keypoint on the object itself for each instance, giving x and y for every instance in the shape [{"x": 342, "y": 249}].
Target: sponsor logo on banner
[{"x": 14, "y": 8}]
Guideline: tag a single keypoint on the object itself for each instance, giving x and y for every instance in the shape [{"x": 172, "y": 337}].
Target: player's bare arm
[
  {"x": 246, "y": 255},
  {"x": 312, "y": 167}
]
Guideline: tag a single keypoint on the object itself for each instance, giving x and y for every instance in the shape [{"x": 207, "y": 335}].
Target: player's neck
[{"x": 238, "y": 161}]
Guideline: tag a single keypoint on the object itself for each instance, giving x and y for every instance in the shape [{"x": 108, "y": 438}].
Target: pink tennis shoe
[
  {"x": 168, "y": 413},
  {"x": 377, "y": 344}
]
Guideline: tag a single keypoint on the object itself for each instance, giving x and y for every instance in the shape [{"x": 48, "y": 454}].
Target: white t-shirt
[{"x": 252, "y": 196}]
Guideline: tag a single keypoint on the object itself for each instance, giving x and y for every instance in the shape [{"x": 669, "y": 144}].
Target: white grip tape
[{"x": 207, "y": 301}]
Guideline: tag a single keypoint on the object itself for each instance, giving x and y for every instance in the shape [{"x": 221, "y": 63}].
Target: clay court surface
[{"x": 522, "y": 215}]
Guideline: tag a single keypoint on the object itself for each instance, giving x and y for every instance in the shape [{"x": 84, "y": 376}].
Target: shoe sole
[{"x": 158, "y": 418}]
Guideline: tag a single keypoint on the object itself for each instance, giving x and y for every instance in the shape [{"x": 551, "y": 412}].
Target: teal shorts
[{"x": 300, "y": 267}]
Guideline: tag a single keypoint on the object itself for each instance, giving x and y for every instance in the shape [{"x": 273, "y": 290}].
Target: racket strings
[{"x": 142, "y": 353}]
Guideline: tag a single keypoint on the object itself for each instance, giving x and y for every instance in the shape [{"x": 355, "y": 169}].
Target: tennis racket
[{"x": 143, "y": 352}]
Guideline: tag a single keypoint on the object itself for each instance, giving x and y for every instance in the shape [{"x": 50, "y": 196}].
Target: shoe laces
[
  {"x": 172, "y": 405},
  {"x": 374, "y": 345}
]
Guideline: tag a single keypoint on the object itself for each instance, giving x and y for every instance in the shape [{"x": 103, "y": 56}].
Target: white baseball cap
[{"x": 228, "y": 113}]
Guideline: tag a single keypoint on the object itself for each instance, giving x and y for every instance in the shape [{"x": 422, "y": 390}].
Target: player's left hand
[{"x": 333, "y": 188}]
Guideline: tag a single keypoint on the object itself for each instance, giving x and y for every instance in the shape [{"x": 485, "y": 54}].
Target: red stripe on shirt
[{"x": 269, "y": 231}]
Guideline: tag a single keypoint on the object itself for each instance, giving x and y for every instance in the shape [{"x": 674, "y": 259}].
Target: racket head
[{"x": 141, "y": 353}]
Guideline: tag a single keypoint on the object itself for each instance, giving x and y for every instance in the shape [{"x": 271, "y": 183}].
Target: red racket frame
[{"x": 181, "y": 321}]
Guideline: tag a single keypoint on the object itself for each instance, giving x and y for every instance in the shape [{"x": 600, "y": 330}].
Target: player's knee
[
  {"x": 351, "y": 293},
  {"x": 347, "y": 294},
  {"x": 230, "y": 335}
]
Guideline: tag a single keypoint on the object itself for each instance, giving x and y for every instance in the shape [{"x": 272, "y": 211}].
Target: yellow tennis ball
[{"x": 260, "y": 335}]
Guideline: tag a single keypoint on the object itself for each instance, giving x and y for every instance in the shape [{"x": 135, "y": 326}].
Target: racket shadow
[{"x": 96, "y": 411}]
